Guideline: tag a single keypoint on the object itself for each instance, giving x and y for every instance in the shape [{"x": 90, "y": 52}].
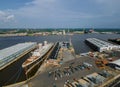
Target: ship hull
[
  {"x": 32, "y": 68},
  {"x": 92, "y": 46}
]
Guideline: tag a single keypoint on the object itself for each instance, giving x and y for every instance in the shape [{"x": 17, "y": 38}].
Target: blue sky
[{"x": 59, "y": 13}]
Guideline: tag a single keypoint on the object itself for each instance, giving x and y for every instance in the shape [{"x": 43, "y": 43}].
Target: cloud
[
  {"x": 2, "y": 13},
  {"x": 6, "y": 16},
  {"x": 50, "y": 10},
  {"x": 10, "y": 17},
  {"x": 38, "y": 9},
  {"x": 53, "y": 9},
  {"x": 62, "y": 12},
  {"x": 109, "y": 5}
]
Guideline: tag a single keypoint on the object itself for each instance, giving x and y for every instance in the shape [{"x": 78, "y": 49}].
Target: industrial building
[
  {"x": 100, "y": 45},
  {"x": 115, "y": 64},
  {"x": 11, "y": 54}
]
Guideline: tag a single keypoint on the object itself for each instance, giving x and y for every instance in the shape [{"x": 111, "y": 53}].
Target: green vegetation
[{"x": 31, "y": 31}]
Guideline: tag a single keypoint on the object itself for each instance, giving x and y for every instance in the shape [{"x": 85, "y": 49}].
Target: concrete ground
[
  {"x": 69, "y": 70},
  {"x": 67, "y": 56},
  {"x": 47, "y": 80}
]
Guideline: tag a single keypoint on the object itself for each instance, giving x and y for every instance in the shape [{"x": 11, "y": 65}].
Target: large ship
[{"x": 37, "y": 56}]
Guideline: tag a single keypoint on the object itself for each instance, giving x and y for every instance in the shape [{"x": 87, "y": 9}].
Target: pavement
[
  {"x": 72, "y": 68},
  {"x": 54, "y": 80},
  {"x": 67, "y": 56}
]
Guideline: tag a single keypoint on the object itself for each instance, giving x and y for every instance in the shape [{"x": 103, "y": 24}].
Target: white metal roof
[
  {"x": 117, "y": 62},
  {"x": 13, "y": 49},
  {"x": 99, "y": 43}
]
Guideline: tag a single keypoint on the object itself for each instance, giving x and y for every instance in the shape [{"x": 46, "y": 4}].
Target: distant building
[
  {"x": 37, "y": 34},
  {"x": 64, "y": 32},
  {"x": 54, "y": 32}
]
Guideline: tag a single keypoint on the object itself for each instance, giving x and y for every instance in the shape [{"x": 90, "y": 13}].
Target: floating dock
[{"x": 100, "y": 45}]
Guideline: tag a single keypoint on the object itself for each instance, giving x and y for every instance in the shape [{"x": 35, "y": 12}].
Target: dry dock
[
  {"x": 13, "y": 53},
  {"x": 8, "y": 72}
]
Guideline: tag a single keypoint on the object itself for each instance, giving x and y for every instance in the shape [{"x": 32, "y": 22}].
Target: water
[{"x": 77, "y": 41}]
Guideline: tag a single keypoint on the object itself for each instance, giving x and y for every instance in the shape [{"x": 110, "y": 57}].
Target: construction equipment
[{"x": 101, "y": 62}]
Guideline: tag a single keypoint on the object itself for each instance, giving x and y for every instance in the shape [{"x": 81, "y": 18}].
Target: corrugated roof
[
  {"x": 99, "y": 43},
  {"x": 117, "y": 62},
  {"x": 13, "y": 49}
]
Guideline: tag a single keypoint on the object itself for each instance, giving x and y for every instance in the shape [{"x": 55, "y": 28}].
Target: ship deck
[{"x": 35, "y": 58}]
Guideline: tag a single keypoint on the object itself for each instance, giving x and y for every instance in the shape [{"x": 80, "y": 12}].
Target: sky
[{"x": 59, "y": 14}]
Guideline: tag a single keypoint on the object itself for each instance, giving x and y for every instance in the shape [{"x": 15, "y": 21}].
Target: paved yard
[{"x": 47, "y": 80}]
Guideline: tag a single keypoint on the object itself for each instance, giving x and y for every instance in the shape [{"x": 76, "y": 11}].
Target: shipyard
[
  {"x": 59, "y": 43},
  {"x": 57, "y": 65}
]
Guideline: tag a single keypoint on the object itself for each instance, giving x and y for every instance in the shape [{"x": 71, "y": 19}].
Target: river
[{"x": 77, "y": 40}]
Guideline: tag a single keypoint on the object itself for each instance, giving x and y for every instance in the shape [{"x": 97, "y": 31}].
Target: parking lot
[{"x": 69, "y": 71}]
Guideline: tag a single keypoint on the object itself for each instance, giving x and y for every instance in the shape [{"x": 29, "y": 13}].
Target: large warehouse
[
  {"x": 100, "y": 45},
  {"x": 10, "y": 54}
]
